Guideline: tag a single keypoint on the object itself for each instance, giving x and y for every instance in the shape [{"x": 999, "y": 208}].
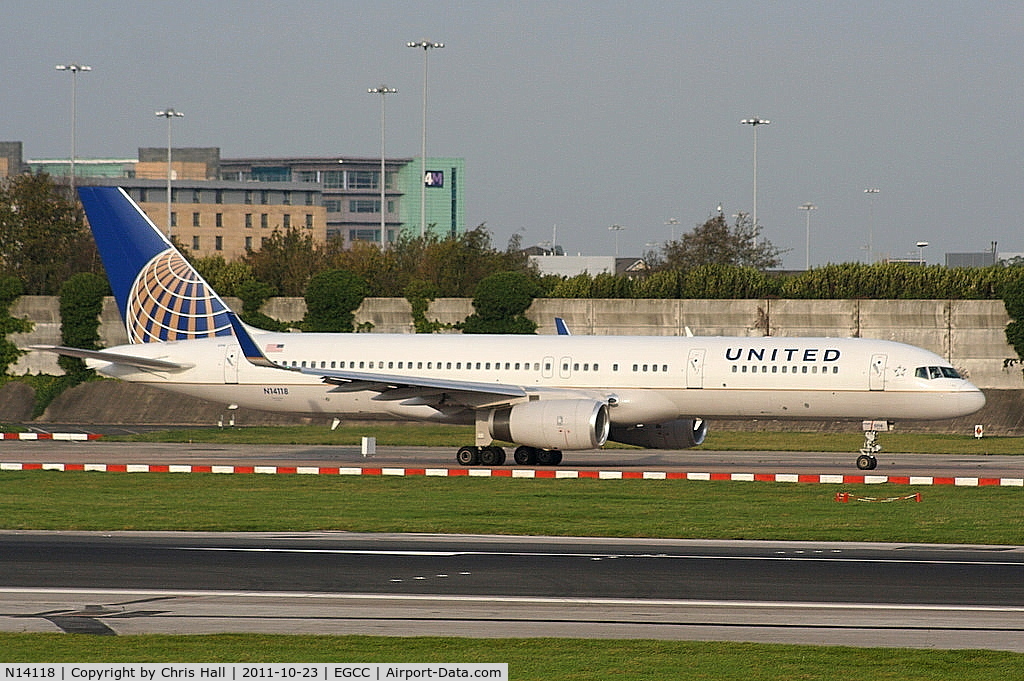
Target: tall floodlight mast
[
  {"x": 169, "y": 114},
  {"x": 754, "y": 122},
  {"x": 383, "y": 91},
  {"x": 426, "y": 45},
  {"x": 74, "y": 69}
]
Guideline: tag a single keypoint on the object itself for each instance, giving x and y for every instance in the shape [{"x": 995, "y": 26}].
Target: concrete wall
[
  {"x": 44, "y": 313},
  {"x": 970, "y": 333}
]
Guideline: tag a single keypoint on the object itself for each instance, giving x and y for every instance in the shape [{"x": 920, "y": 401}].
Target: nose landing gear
[{"x": 867, "y": 460}]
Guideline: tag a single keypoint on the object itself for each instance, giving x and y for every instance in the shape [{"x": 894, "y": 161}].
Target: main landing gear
[{"x": 495, "y": 456}]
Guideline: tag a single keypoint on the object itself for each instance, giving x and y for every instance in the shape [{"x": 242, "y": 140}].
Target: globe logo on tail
[{"x": 170, "y": 301}]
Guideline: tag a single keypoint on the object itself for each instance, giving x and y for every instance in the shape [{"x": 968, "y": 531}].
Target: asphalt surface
[
  {"x": 894, "y": 464},
  {"x": 850, "y": 594}
]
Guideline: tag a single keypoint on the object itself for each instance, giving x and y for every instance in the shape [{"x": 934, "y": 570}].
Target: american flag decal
[{"x": 274, "y": 347}]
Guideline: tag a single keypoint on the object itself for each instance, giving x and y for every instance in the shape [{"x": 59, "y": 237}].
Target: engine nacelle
[
  {"x": 677, "y": 434},
  {"x": 552, "y": 424}
]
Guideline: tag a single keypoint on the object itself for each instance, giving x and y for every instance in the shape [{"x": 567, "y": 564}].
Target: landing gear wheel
[
  {"x": 866, "y": 462},
  {"x": 468, "y": 456},
  {"x": 492, "y": 456},
  {"x": 525, "y": 456},
  {"x": 549, "y": 457}
]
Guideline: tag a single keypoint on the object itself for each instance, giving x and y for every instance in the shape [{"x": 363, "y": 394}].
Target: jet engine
[
  {"x": 676, "y": 434},
  {"x": 552, "y": 424}
]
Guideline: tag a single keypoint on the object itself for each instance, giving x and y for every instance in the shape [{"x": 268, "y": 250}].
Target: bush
[
  {"x": 10, "y": 290},
  {"x": 81, "y": 302},
  {"x": 420, "y": 293},
  {"x": 1013, "y": 299},
  {"x": 253, "y": 294},
  {"x": 332, "y": 298},
  {"x": 500, "y": 303}
]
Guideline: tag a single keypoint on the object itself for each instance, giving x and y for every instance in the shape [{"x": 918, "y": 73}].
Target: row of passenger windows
[
  {"x": 519, "y": 366},
  {"x": 803, "y": 369},
  {"x": 509, "y": 366},
  {"x": 457, "y": 366}
]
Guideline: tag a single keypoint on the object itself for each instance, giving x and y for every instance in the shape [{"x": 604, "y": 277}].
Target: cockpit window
[{"x": 936, "y": 372}]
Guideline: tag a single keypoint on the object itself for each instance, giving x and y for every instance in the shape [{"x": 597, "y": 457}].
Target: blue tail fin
[{"x": 160, "y": 295}]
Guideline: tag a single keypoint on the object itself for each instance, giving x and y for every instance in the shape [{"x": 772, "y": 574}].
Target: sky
[{"x": 575, "y": 116}]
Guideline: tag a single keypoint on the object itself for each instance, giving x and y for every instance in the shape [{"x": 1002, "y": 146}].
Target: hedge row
[{"x": 850, "y": 280}]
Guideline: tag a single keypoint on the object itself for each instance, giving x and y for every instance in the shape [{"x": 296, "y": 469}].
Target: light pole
[
  {"x": 672, "y": 222},
  {"x": 74, "y": 69},
  {"x": 921, "y": 245},
  {"x": 754, "y": 122},
  {"x": 383, "y": 91},
  {"x": 169, "y": 114},
  {"x": 426, "y": 45},
  {"x": 808, "y": 207},
  {"x": 871, "y": 192},
  {"x": 616, "y": 229}
]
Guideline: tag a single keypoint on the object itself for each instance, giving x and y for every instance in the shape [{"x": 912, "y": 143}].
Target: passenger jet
[{"x": 545, "y": 394}]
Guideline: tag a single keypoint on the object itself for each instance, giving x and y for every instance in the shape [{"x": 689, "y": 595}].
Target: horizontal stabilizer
[{"x": 114, "y": 358}]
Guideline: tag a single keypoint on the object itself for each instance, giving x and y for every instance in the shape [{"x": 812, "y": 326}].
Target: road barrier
[
  {"x": 51, "y": 436},
  {"x": 521, "y": 473}
]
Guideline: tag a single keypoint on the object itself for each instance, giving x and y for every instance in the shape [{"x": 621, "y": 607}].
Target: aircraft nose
[{"x": 970, "y": 399}]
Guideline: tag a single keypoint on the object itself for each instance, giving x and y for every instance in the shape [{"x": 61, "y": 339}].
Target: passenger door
[
  {"x": 876, "y": 373},
  {"x": 231, "y": 357},
  {"x": 695, "y": 368}
]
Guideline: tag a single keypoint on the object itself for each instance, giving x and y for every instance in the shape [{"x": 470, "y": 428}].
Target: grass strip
[
  {"x": 430, "y": 435},
  {"x": 51, "y": 500},
  {"x": 537, "y": 659}
]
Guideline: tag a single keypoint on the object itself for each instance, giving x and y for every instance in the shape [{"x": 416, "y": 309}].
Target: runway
[{"x": 399, "y": 585}]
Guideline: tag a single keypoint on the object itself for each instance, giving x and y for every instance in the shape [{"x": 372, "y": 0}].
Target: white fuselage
[{"x": 644, "y": 379}]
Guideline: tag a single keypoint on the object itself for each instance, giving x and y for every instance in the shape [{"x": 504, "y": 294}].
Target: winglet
[
  {"x": 249, "y": 347},
  {"x": 561, "y": 327}
]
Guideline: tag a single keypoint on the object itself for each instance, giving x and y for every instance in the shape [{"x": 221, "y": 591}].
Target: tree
[
  {"x": 420, "y": 294},
  {"x": 226, "y": 278},
  {"x": 717, "y": 243},
  {"x": 81, "y": 302},
  {"x": 43, "y": 240},
  {"x": 10, "y": 290},
  {"x": 500, "y": 303},
  {"x": 452, "y": 265},
  {"x": 286, "y": 261},
  {"x": 253, "y": 294},
  {"x": 332, "y": 298},
  {"x": 1013, "y": 300}
]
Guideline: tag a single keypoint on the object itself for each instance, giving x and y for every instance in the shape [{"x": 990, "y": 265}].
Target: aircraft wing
[
  {"x": 114, "y": 358},
  {"x": 391, "y": 387},
  {"x": 394, "y": 387}
]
